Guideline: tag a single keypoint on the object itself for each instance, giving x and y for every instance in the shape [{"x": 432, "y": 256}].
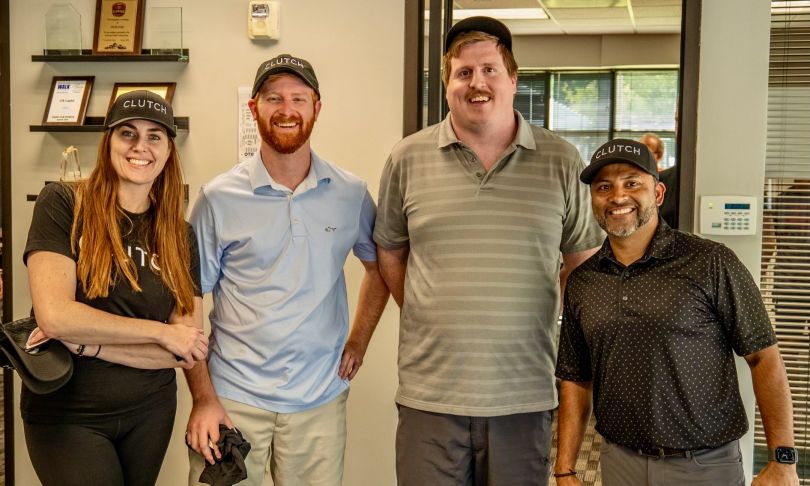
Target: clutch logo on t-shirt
[{"x": 141, "y": 257}]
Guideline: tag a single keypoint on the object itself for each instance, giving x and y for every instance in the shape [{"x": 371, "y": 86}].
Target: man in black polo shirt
[{"x": 650, "y": 327}]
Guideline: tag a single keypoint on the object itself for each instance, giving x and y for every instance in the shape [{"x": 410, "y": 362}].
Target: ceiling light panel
[
  {"x": 657, "y": 12},
  {"x": 657, "y": 3},
  {"x": 585, "y": 3},
  {"x": 495, "y": 4},
  {"x": 589, "y": 13}
]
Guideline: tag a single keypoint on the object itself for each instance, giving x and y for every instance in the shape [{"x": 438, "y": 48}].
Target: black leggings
[{"x": 124, "y": 451}]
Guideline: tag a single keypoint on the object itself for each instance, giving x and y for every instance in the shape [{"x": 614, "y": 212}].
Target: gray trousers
[
  {"x": 721, "y": 466},
  {"x": 435, "y": 449}
]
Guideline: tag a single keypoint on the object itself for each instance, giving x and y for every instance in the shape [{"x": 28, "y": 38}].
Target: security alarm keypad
[{"x": 728, "y": 215}]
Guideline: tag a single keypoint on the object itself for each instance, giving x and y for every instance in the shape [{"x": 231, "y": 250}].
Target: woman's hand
[{"x": 187, "y": 343}]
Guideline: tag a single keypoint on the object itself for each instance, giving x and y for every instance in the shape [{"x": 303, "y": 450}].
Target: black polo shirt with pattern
[{"x": 656, "y": 339}]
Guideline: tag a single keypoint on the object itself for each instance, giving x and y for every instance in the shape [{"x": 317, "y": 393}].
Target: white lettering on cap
[
  {"x": 617, "y": 148},
  {"x": 142, "y": 103},
  {"x": 284, "y": 60}
]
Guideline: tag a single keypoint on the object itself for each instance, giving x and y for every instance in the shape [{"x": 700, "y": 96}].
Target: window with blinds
[
  {"x": 785, "y": 281},
  {"x": 581, "y": 109},
  {"x": 645, "y": 102},
  {"x": 590, "y": 108},
  {"x": 531, "y": 97}
]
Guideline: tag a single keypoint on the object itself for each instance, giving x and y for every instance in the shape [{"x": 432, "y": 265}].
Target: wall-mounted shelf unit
[
  {"x": 88, "y": 56},
  {"x": 96, "y": 124}
]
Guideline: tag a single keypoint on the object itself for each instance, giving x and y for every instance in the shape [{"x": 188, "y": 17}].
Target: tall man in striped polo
[{"x": 478, "y": 209}]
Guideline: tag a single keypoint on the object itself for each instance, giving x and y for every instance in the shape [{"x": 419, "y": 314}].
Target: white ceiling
[{"x": 589, "y": 16}]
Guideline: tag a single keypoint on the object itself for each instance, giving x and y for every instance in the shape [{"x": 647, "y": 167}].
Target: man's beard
[
  {"x": 643, "y": 216},
  {"x": 281, "y": 142}
]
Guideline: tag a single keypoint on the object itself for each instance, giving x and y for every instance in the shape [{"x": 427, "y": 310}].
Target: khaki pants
[
  {"x": 721, "y": 466},
  {"x": 299, "y": 449}
]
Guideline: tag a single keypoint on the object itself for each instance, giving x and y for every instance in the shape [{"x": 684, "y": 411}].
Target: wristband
[
  {"x": 97, "y": 351},
  {"x": 570, "y": 472},
  {"x": 80, "y": 350}
]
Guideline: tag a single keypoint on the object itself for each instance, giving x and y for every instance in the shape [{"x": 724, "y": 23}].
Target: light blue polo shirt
[{"x": 273, "y": 259}]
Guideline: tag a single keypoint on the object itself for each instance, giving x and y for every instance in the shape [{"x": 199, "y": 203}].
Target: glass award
[
  {"x": 165, "y": 31},
  {"x": 69, "y": 167},
  {"x": 63, "y": 30}
]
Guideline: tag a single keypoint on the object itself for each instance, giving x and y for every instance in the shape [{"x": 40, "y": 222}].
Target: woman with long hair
[{"x": 114, "y": 274}]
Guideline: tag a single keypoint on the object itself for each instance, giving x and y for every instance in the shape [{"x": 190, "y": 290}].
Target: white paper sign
[{"x": 248, "y": 132}]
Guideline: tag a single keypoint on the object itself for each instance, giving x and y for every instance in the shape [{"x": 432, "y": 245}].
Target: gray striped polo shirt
[{"x": 482, "y": 283}]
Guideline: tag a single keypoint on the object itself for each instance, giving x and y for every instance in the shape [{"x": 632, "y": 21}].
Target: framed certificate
[
  {"x": 165, "y": 90},
  {"x": 67, "y": 101},
  {"x": 119, "y": 27}
]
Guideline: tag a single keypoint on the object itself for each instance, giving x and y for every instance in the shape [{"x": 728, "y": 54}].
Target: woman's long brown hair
[{"x": 102, "y": 259}]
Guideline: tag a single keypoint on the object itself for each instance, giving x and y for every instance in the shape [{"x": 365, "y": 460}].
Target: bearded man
[
  {"x": 650, "y": 327},
  {"x": 274, "y": 233}
]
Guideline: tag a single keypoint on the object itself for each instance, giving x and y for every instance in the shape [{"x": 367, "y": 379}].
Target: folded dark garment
[{"x": 230, "y": 469}]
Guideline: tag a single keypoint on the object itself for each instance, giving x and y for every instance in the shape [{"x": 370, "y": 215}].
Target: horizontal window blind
[
  {"x": 530, "y": 99},
  {"x": 785, "y": 268},
  {"x": 645, "y": 100},
  {"x": 580, "y": 101}
]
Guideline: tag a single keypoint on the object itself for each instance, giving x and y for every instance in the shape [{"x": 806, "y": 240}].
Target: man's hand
[
  {"x": 202, "y": 431},
  {"x": 777, "y": 474},
  {"x": 351, "y": 361}
]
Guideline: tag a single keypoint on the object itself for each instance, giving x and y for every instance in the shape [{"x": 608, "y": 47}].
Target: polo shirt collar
[
  {"x": 259, "y": 177},
  {"x": 661, "y": 247},
  {"x": 524, "y": 136}
]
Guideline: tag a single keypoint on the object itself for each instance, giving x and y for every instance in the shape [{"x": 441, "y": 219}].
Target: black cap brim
[
  {"x": 171, "y": 130},
  {"x": 487, "y": 25},
  {"x": 305, "y": 77},
  {"x": 590, "y": 172}
]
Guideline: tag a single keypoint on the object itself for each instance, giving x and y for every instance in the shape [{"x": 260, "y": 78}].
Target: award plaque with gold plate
[{"x": 119, "y": 27}]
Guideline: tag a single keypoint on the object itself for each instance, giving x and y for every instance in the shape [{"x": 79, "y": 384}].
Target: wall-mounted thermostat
[
  {"x": 728, "y": 215},
  {"x": 263, "y": 20}
]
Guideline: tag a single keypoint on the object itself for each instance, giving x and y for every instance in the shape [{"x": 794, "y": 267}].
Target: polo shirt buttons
[{"x": 479, "y": 174}]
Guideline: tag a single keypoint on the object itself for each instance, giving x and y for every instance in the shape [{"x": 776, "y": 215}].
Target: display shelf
[
  {"x": 96, "y": 124},
  {"x": 88, "y": 56}
]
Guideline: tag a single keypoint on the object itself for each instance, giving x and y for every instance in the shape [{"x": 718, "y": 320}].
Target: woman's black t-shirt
[{"x": 99, "y": 389}]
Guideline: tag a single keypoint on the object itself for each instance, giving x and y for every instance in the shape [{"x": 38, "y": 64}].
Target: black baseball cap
[
  {"x": 141, "y": 105},
  {"x": 487, "y": 25},
  {"x": 286, "y": 63},
  {"x": 620, "y": 150}
]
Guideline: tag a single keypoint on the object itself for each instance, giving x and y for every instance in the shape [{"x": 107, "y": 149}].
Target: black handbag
[{"x": 43, "y": 369}]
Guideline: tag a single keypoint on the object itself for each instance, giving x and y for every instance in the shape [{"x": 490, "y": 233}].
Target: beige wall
[
  {"x": 357, "y": 50},
  {"x": 597, "y": 51}
]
